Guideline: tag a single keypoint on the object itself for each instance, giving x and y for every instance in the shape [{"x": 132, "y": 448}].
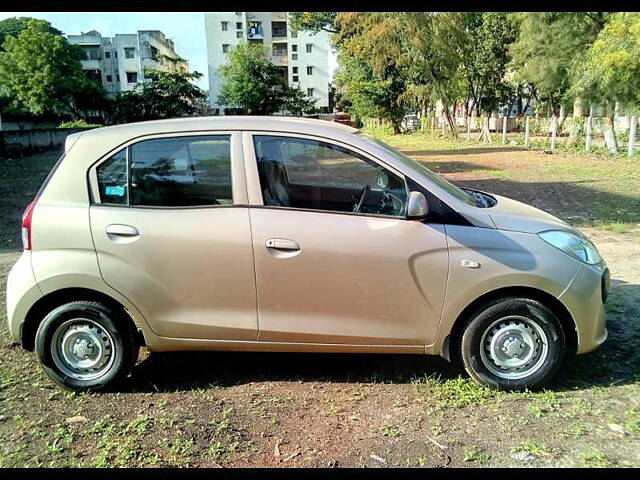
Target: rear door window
[{"x": 169, "y": 172}]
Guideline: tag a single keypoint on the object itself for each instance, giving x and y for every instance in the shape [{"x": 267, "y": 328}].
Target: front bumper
[
  {"x": 584, "y": 298},
  {"x": 22, "y": 294}
]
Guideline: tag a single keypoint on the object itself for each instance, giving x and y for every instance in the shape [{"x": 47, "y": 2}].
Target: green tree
[
  {"x": 14, "y": 25},
  {"x": 252, "y": 82},
  {"x": 549, "y": 45},
  {"x": 368, "y": 95},
  {"x": 484, "y": 57},
  {"x": 40, "y": 72},
  {"x": 610, "y": 70},
  {"x": 164, "y": 95},
  {"x": 313, "y": 21}
]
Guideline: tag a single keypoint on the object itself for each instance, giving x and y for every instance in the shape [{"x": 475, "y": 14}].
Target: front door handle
[
  {"x": 282, "y": 244},
  {"x": 120, "y": 230}
]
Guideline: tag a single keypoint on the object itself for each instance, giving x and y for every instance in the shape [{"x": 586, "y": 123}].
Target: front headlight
[{"x": 575, "y": 245}]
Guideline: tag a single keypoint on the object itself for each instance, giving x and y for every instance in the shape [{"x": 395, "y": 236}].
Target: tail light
[{"x": 26, "y": 225}]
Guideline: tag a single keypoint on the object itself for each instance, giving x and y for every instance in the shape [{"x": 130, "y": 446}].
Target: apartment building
[
  {"x": 119, "y": 62},
  {"x": 303, "y": 57}
]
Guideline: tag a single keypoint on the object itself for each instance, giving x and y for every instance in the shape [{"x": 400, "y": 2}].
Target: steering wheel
[{"x": 363, "y": 195}]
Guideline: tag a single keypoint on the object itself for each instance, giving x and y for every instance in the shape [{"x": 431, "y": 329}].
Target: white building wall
[{"x": 318, "y": 59}]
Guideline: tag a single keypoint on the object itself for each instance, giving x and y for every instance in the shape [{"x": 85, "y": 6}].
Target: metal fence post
[
  {"x": 632, "y": 135},
  {"x": 504, "y": 129},
  {"x": 554, "y": 131},
  {"x": 589, "y": 121},
  {"x": 526, "y": 132}
]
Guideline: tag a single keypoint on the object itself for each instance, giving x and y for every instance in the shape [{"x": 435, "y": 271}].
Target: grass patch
[
  {"x": 596, "y": 459},
  {"x": 456, "y": 392}
]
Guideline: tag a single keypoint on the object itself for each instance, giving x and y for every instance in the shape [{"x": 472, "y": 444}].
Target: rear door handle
[
  {"x": 122, "y": 230},
  {"x": 282, "y": 244}
]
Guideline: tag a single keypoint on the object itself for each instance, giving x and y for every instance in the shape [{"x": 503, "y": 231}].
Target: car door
[
  {"x": 325, "y": 274},
  {"x": 171, "y": 232}
]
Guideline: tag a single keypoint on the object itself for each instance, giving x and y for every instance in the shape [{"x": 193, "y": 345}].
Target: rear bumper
[
  {"x": 584, "y": 298},
  {"x": 22, "y": 293}
]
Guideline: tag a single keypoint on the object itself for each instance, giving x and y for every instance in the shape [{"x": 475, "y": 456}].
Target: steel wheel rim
[
  {"x": 82, "y": 349},
  {"x": 514, "y": 347}
]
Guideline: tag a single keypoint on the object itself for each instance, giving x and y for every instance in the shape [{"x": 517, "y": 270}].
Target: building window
[
  {"x": 109, "y": 79},
  {"x": 295, "y": 69},
  {"x": 107, "y": 54},
  {"x": 154, "y": 52},
  {"x": 239, "y": 34},
  {"x": 132, "y": 77},
  {"x": 294, "y": 34},
  {"x": 256, "y": 40},
  {"x": 278, "y": 29},
  {"x": 294, "y": 56},
  {"x": 238, "y": 25},
  {"x": 225, "y": 48},
  {"x": 93, "y": 75},
  {"x": 309, "y": 47},
  {"x": 129, "y": 52},
  {"x": 309, "y": 70},
  {"x": 225, "y": 26},
  {"x": 91, "y": 53},
  {"x": 295, "y": 78},
  {"x": 279, "y": 49},
  {"x": 310, "y": 92},
  {"x": 294, "y": 47},
  {"x": 115, "y": 54}
]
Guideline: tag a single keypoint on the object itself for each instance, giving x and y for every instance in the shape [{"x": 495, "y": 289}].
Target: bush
[{"x": 78, "y": 124}]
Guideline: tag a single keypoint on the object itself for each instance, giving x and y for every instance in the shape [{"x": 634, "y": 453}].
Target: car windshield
[{"x": 421, "y": 169}]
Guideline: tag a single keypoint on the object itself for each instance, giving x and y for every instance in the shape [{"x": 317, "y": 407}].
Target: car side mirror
[{"x": 417, "y": 208}]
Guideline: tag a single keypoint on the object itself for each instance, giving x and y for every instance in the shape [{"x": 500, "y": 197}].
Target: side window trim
[
  {"x": 255, "y": 196},
  {"x": 238, "y": 173}
]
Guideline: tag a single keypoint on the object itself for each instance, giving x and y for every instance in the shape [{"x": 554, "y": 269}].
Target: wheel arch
[
  {"x": 38, "y": 311},
  {"x": 566, "y": 320}
]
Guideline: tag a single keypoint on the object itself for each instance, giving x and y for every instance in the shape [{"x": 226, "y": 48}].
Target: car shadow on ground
[{"x": 615, "y": 363}]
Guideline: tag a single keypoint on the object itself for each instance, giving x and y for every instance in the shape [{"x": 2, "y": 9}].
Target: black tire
[
  {"x": 122, "y": 346},
  {"x": 526, "y": 313}
]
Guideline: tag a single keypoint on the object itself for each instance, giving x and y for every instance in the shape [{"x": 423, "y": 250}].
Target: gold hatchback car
[{"x": 287, "y": 234}]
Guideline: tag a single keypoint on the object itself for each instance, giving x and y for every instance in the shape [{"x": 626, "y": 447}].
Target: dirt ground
[{"x": 335, "y": 410}]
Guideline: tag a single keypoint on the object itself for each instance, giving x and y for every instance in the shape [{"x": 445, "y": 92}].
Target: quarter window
[
  {"x": 309, "y": 174},
  {"x": 112, "y": 179}
]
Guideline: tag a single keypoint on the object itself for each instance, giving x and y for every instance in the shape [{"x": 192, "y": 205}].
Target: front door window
[{"x": 310, "y": 174}]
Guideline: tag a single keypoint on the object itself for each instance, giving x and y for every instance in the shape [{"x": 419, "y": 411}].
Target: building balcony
[
  {"x": 255, "y": 33},
  {"x": 280, "y": 58}
]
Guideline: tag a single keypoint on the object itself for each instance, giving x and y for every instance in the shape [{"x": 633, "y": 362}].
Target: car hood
[{"x": 509, "y": 214}]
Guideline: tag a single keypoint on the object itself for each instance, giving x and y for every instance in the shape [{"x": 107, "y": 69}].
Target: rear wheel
[
  {"x": 512, "y": 344},
  {"x": 85, "y": 345}
]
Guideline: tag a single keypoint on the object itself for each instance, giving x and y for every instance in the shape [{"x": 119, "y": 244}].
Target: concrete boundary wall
[{"x": 24, "y": 142}]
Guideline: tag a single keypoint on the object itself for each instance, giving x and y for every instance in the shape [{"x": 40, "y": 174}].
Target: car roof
[{"x": 128, "y": 131}]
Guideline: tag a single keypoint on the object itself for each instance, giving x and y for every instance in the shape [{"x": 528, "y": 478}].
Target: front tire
[
  {"x": 86, "y": 346},
  {"x": 512, "y": 344}
]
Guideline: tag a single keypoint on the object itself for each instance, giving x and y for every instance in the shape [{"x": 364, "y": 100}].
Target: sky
[{"x": 185, "y": 29}]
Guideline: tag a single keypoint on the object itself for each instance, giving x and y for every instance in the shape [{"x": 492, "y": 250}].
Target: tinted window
[
  {"x": 309, "y": 174},
  {"x": 112, "y": 179},
  {"x": 183, "y": 171}
]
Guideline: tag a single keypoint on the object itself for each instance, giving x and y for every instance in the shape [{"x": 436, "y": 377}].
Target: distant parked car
[{"x": 285, "y": 234}]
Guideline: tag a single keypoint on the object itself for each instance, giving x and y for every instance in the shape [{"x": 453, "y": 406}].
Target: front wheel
[
  {"x": 86, "y": 346},
  {"x": 513, "y": 344}
]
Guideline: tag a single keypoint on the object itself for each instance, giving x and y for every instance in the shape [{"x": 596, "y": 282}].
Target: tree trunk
[
  {"x": 450, "y": 119},
  {"x": 610, "y": 139}
]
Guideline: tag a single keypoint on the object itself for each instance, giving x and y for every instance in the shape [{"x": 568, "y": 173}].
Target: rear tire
[
  {"x": 86, "y": 346},
  {"x": 512, "y": 344}
]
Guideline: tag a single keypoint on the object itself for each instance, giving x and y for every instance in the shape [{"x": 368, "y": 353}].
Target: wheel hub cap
[
  {"x": 82, "y": 349},
  {"x": 514, "y": 347}
]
